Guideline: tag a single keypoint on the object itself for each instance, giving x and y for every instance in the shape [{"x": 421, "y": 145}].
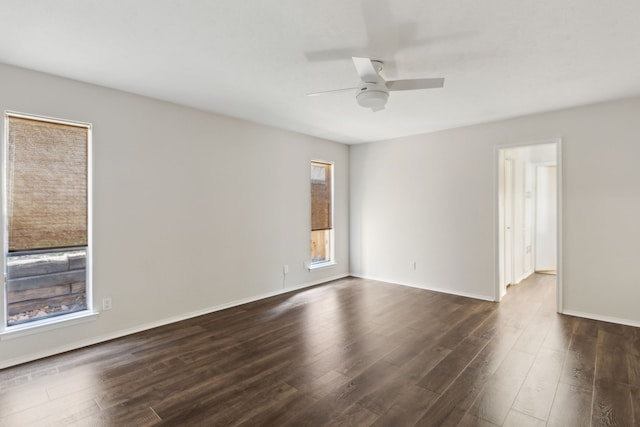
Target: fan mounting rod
[{"x": 378, "y": 65}]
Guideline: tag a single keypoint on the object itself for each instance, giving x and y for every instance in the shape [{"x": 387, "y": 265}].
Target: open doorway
[{"x": 528, "y": 214}]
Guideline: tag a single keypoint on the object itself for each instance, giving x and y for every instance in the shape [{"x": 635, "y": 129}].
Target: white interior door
[
  {"x": 508, "y": 222},
  {"x": 546, "y": 219}
]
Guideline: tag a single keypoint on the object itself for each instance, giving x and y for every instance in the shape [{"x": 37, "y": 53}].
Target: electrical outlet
[
  {"x": 413, "y": 265},
  {"x": 106, "y": 303},
  {"x": 285, "y": 269}
]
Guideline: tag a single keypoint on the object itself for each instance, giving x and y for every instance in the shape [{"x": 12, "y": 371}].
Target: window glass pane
[
  {"x": 321, "y": 213},
  {"x": 46, "y": 188},
  {"x": 320, "y": 249},
  {"x": 45, "y": 285}
]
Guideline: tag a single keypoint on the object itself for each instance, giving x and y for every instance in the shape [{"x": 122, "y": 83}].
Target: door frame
[{"x": 496, "y": 203}]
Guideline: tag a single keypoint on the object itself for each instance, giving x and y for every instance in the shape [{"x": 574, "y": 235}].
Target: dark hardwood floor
[{"x": 350, "y": 352}]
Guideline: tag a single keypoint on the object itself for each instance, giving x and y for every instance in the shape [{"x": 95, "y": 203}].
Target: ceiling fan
[{"x": 373, "y": 90}]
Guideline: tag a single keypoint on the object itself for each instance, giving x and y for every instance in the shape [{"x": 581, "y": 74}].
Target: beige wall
[
  {"x": 192, "y": 210},
  {"x": 432, "y": 199}
]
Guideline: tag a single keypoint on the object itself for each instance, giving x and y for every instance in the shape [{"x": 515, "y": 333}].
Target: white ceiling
[{"x": 257, "y": 59}]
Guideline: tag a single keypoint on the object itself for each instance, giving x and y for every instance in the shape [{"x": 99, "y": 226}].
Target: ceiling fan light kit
[
  {"x": 373, "y": 91},
  {"x": 373, "y": 96}
]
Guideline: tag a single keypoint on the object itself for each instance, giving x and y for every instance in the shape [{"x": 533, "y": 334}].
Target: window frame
[
  {"x": 332, "y": 260},
  {"x": 87, "y": 314}
]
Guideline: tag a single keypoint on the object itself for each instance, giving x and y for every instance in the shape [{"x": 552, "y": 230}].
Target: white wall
[
  {"x": 431, "y": 198},
  {"x": 546, "y": 219},
  {"x": 426, "y": 199},
  {"x": 191, "y": 210}
]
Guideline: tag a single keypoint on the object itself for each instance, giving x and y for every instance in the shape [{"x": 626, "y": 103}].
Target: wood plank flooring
[{"x": 350, "y": 352}]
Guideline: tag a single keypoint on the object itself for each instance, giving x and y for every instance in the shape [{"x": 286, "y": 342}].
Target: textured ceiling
[{"x": 257, "y": 60}]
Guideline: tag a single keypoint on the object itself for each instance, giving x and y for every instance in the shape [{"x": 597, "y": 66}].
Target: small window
[
  {"x": 321, "y": 214},
  {"x": 46, "y": 193}
]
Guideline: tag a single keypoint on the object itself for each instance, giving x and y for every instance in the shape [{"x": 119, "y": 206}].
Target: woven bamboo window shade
[
  {"x": 46, "y": 184},
  {"x": 321, "y": 211}
]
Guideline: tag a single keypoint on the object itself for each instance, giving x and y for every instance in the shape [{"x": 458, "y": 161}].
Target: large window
[
  {"x": 321, "y": 214},
  {"x": 46, "y": 218}
]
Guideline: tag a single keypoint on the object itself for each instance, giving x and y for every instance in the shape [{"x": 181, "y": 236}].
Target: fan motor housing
[{"x": 372, "y": 95}]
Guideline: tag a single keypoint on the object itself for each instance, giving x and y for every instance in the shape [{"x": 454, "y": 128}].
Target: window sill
[
  {"x": 322, "y": 266},
  {"x": 37, "y": 327}
]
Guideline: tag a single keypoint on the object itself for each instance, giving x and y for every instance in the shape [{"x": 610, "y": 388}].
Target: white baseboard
[
  {"x": 431, "y": 288},
  {"x": 124, "y": 332},
  {"x": 627, "y": 322}
]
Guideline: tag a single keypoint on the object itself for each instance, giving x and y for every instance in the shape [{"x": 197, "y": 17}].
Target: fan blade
[
  {"x": 332, "y": 91},
  {"x": 412, "y": 84},
  {"x": 366, "y": 70}
]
